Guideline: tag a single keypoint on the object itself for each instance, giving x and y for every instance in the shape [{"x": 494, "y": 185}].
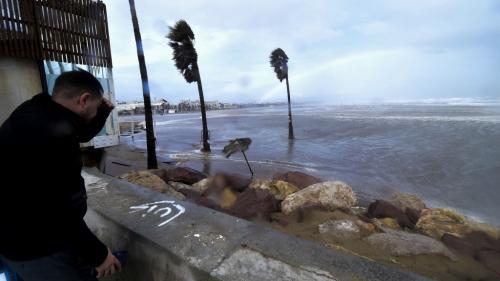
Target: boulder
[
  {"x": 389, "y": 222},
  {"x": 202, "y": 185},
  {"x": 486, "y": 228},
  {"x": 260, "y": 184},
  {"x": 490, "y": 259},
  {"x": 340, "y": 230},
  {"x": 280, "y": 189},
  {"x": 184, "y": 175},
  {"x": 255, "y": 203},
  {"x": 413, "y": 215},
  {"x": 478, "y": 245},
  {"x": 298, "y": 179},
  {"x": 471, "y": 243},
  {"x": 403, "y": 201},
  {"x": 189, "y": 193},
  {"x": 329, "y": 195},
  {"x": 150, "y": 180},
  {"x": 436, "y": 222},
  {"x": 366, "y": 228},
  {"x": 174, "y": 193},
  {"x": 401, "y": 243},
  {"x": 195, "y": 197},
  {"x": 179, "y": 185},
  {"x": 162, "y": 173},
  {"x": 381, "y": 209}
]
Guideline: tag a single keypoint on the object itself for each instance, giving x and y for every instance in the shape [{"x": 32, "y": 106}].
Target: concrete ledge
[{"x": 169, "y": 239}]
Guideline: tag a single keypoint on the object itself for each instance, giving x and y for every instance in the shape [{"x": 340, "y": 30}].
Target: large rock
[
  {"x": 490, "y": 259},
  {"x": 150, "y": 180},
  {"x": 184, "y": 175},
  {"x": 203, "y": 185},
  {"x": 478, "y": 245},
  {"x": 366, "y": 228},
  {"x": 486, "y": 228},
  {"x": 179, "y": 185},
  {"x": 401, "y": 243},
  {"x": 381, "y": 209},
  {"x": 339, "y": 230},
  {"x": 403, "y": 201},
  {"x": 471, "y": 243},
  {"x": 329, "y": 195},
  {"x": 413, "y": 215},
  {"x": 260, "y": 184},
  {"x": 162, "y": 173},
  {"x": 436, "y": 222},
  {"x": 388, "y": 222},
  {"x": 280, "y": 189},
  {"x": 255, "y": 203},
  {"x": 298, "y": 179},
  {"x": 197, "y": 198}
]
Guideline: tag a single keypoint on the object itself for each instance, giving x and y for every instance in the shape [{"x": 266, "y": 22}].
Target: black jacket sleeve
[{"x": 88, "y": 246}]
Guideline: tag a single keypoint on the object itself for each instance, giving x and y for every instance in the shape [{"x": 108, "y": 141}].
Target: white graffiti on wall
[{"x": 165, "y": 209}]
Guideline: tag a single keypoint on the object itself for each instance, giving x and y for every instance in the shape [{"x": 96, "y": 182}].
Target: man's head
[{"x": 80, "y": 92}]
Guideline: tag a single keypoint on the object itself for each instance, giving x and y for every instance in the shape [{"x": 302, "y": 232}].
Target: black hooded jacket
[{"x": 42, "y": 194}]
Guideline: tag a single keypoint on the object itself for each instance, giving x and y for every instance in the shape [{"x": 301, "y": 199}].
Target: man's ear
[{"x": 84, "y": 98}]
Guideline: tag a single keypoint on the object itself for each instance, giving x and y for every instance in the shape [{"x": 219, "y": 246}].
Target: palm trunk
[
  {"x": 290, "y": 125},
  {"x": 206, "y": 144},
  {"x": 150, "y": 135}
]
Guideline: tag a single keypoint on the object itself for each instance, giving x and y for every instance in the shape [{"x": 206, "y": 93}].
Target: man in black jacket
[{"x": 42, "y": 195}]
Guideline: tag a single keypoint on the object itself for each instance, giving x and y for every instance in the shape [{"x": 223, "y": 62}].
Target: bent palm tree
[
  {"x": 279, "y": 60},
  {"x": 186, "y": 60}
]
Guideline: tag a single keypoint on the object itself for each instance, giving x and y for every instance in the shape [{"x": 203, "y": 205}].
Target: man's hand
[
  {"x": 106, "y": 103},
  {"x": 109, "y": 266}
]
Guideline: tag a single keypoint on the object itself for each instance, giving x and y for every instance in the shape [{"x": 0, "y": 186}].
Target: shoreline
[
  {"x": 434, "y": 266},
  {"x": 264, "y": 170}
]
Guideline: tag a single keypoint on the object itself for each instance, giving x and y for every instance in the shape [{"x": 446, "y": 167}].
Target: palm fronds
[
  {"x": 238, "y": 145},
  {"x": 279, "y": 60},
  {"x": 181, "y": 40}
]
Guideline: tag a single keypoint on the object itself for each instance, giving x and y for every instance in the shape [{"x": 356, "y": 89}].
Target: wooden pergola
[{"x": 72, "y": 31}]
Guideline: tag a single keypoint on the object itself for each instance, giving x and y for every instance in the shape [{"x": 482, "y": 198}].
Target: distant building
[
  {"x": 188, "y": 105},
  {"x": 158, "y": 107},
  {"x": 229, "y": 106},
  {"x": 213, "y": 105}
]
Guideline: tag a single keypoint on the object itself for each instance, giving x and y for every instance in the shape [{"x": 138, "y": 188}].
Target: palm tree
[
  {"x": 150, "y": 135},
  {"x": 186, "y": 60},
  {"x": 279, "y": 60}
]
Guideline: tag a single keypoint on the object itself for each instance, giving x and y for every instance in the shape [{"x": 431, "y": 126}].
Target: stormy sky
[{"x": 340, "y": 51}]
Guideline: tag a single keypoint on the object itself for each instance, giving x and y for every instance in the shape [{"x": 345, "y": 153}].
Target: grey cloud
[{"x": 234, "y": 39}]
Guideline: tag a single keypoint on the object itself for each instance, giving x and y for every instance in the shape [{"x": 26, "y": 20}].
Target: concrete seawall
[{"x": 168, "y": 239}]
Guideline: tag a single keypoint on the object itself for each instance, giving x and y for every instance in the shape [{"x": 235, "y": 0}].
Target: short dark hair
[{"x": 73, "y": 83}]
